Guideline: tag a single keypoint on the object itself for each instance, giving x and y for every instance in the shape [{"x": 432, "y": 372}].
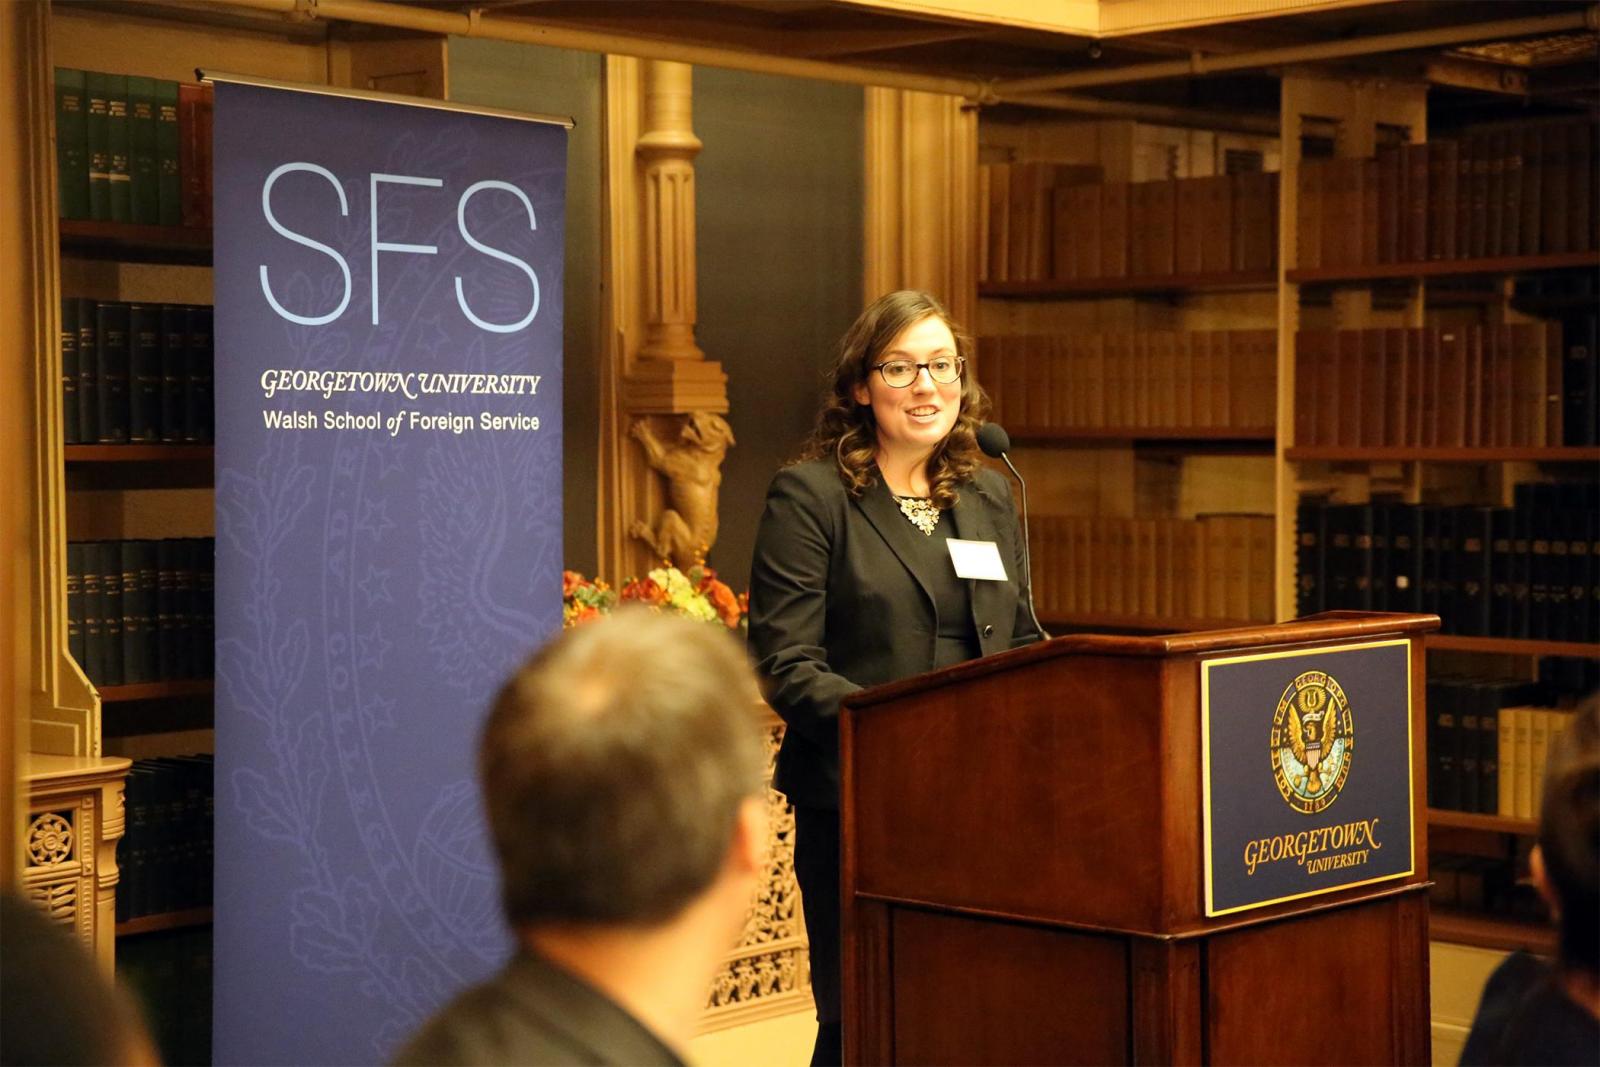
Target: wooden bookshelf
[
  {"x": 1513, "y": 646},
  {"x": 1056, "y": 289},
  {"x": 1491, "y": 931},
  {"x": 1441, "y": 268},
  {"x": 134, "y": 242},
  {"x": 1471, "y": 820},
  {"x": 1372, "y": 454},
  {"x": 1210, "y": 435},
  {"x": 128, "y": 694},
  {"x": 139, "y": 453},
  {"x": 167, "y": 920}
]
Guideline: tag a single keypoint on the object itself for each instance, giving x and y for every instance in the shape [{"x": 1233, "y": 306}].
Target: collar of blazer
[{"x": 972, "y": 522}]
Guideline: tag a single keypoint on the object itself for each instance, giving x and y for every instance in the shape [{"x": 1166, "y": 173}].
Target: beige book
[
  {"x": 1506, "y": 752},
  {"x": 1520, "y": 760},
  {"x": 1262, "y": 562},
  {"x": 1164, "y": 571},
  {"x": 1538, "y": 753}
]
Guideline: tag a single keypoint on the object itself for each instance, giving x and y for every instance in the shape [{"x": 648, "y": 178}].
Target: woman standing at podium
[{"x": 857, "y": 581}]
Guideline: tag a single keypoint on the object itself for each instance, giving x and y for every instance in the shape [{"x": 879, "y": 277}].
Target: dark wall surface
[{"x": 778, "y": 205}]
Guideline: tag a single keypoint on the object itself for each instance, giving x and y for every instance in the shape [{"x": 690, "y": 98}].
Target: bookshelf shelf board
[
  {"x": 1528, "y": 454},
  {"x": 1469, "y": 820},
  {"x": 1140, "y": 622},
  {"x": 1441, "y": 268},
  {"x": 1218, "y": 435},
  {"x": 94, "y": 239},
  {"x": 138, "y": 453},
  {"x": 1051, "y": 289},
  {"x": 167, "y": 920},
  {"x": 1490, "y": 931},
  {"x": 1515, "y": 646},
  {"x": 127, "y": 694}
]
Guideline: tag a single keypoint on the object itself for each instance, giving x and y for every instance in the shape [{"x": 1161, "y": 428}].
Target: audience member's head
[
  {"x": 622, "y": 774},
  {"x": 1567, "y": 862},
  {"x": 59, "y": 1008}
]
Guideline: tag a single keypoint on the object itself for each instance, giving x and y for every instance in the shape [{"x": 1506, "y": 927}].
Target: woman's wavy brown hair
[{"x": 847, "y": 432}]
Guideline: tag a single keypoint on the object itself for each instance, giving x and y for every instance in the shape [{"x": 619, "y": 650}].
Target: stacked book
[
  {"x": 141, "y": 611},
  {"x": 166, "y": 853},
  {"x": 1044, "y": 221},
  {"x": 1488, "y": 742},
  {"x": 1215, "y": 567},
  {"x": 1523, "y": 191},
  {"x": 1527, "y": 571},
  {"x": 135, "y": 373},
  {"x": 1510, "y": 384},
  {"x": 132, "y": 149},
  {"x": 1160, "y": 379}
]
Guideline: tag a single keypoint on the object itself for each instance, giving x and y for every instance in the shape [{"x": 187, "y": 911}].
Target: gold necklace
[{"x": 923, "y": 513}]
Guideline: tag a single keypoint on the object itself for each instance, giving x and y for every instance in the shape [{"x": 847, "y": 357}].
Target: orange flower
[
  {"x": 571, "y": 582},
  {"x": 724, "y": 601},
  {"x": 583, "y": 615},
  {"x": 645, "y": 590}
]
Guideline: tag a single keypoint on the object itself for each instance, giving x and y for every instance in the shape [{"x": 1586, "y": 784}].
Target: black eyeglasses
[{"x": 899, "y": 373}]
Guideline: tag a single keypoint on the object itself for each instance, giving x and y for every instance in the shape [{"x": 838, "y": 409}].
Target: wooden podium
[{"x": 1024, "y": 879}]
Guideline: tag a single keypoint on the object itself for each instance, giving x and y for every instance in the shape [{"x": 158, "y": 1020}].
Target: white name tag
[{"x": 977, "y": 559}]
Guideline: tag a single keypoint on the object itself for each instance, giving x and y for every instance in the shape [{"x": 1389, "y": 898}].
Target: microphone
[{"x": 995, "y": 442}]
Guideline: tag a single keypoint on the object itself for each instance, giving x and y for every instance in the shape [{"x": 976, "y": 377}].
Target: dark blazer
[
  {"x": 835, "y": 605},
  {"x": 534, "y": 1012}
]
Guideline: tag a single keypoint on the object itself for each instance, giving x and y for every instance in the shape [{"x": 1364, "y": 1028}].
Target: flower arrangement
[{"x": 699, "y": 595}]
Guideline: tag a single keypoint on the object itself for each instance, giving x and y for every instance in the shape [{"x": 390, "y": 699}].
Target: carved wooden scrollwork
[
  {"x": 692, "y": 465},
  {"x": 770, "y": 971}
]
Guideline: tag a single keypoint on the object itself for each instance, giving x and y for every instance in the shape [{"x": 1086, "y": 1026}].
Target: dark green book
[
  {"x": 72, "y": 142},
  {"x": 1474, "y": 544},
  {"x": 75, "y": 632},
  {"x": 197, "y": 385},
  {"x": 145, "y": 179},
  {"x": 1502, "y": 602},
  {"x": 145, "y": 386},
  {"x": 174, "y": 369},
  {"x": 97, "y": 133},
  {"x": 110, "y": 566},
  {"x": 1470, "y": 697},
  {"x": 169, "y": 139},
  {"x": 112, "y": 365},
  {"x": 94, "y": 606},
  {"x": 167, "y": 618},
  {"x": 183, "y": 586},
  {"x": 145, "y": 559},
  {"x": 118, "y": 148},
  {"x": 133, "y": 664},
  {"x": 88, "y": 371},
  {"x": 69, "y": 371}
]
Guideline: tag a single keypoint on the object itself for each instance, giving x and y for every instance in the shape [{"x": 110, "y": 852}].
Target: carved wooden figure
[{"x": 685, "y": 531}]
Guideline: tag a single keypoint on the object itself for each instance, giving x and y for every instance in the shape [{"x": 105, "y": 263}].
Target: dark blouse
[{"x": 956, "y": 642}]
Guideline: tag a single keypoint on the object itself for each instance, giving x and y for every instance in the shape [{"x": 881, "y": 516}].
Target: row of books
[
  {"x": 1528, "y": 571},
  {"x": 1215, "y": 567},
  {"x": 1485, "y": 885},
  {"x": 1046, "y": 221},
  {"x": 1524, "y": 191},
  {"x": 1153, "y": 379},
  {"x": 1488, "y": 740},
  {"x": 135, "y": 373},
  {"x": 133, "y": 149},
  {"x": 141, "y": 611},
  {"x": 1520, "y": 384},
  {"x": 165, "y": 854}
]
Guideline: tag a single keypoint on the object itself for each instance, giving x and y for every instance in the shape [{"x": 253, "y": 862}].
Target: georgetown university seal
[{"x": 1313, "y": 739}]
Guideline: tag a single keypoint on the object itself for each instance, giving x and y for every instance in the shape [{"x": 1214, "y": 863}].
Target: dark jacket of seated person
[{"x": 1533, "y": 1012}]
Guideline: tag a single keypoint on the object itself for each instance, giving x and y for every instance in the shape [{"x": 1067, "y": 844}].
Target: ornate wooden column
[
  {"x": 920, "y": 174},
  {"x": 662, "y": 435}
]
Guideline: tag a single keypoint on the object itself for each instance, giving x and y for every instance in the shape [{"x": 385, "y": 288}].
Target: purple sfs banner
[{"x": 388, "y": 494}]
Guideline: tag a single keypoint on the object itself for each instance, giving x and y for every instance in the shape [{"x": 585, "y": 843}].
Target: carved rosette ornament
[{"x": 49, "y": 840}]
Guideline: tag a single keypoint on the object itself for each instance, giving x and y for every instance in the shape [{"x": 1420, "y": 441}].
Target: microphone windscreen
[{"x": 993, "y": 439}]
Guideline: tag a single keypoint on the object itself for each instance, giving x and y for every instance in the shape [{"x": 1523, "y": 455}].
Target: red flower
[
  {"x": 724, "y": 601},
  {"x": 584, "y": 614}
]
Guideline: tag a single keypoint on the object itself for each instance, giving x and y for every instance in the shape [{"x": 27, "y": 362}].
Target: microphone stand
[{"x": 1027, "y": 562}]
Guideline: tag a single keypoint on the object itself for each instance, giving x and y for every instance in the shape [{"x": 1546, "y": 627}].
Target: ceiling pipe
[
  {"x": 1199, "y": 64},
  {"x": 478, "y": 22}
]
